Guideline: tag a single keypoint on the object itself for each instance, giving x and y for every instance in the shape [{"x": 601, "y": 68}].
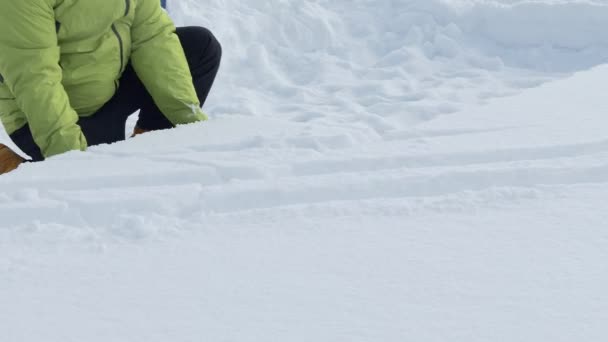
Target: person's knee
[
  {"x": 218, "y": 49},
  {"x": 200, "y": 41},
  {"x": 214, "y": 48}
]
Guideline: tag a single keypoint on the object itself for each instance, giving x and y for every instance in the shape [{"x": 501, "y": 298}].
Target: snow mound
[
  {"x": 387, "y": 64},
  {"x": 493, "y": 217}
]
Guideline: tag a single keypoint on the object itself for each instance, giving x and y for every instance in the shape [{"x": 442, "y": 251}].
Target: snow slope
[{"x": 373, "y": 171}]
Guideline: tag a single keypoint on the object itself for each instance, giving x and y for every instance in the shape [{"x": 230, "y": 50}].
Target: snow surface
[{"x": 388, "y": 170}]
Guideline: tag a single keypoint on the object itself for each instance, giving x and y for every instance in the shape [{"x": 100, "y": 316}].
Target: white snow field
[{"x": 387, "y": 170}]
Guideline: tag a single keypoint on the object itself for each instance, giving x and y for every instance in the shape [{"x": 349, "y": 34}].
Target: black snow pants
[{"x": 107, "y": 125}]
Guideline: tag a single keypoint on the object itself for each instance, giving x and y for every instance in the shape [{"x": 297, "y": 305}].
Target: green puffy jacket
[{"x": 62, "y": 59}]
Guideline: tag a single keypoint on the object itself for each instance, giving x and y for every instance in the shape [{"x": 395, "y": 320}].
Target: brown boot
[
  {"x": 137, "y": 131},
  {"x": 9, "y": 160}
]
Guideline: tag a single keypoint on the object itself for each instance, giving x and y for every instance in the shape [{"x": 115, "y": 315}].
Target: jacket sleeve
[
  {"x": 159, "y": 61},
  {"x": 29, "y": 64}
]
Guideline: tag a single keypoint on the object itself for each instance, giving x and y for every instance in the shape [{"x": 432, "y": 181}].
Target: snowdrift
[{"x": 387, "y": 64}]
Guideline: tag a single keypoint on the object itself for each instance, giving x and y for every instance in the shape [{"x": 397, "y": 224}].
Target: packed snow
[{"x": 388, "y": 170}]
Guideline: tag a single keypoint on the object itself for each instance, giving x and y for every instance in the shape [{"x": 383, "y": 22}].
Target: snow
[{"x": 373, "y": 171}]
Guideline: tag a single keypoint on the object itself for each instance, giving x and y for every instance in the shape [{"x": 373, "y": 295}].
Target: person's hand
[
  {"x": 137, "y": 131},
  {"x": 9, "y": 160}
]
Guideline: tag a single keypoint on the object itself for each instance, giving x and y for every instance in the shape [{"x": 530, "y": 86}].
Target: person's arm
[
  {"x": 159, "y": 61},
  {"x": 29, "y": 64}
]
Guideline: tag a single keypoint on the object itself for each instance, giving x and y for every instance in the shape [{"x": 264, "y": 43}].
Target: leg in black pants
[{"x": 107, "y": 125}]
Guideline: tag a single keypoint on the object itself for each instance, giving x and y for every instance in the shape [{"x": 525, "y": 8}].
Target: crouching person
[{"x": 70, "y": 75}]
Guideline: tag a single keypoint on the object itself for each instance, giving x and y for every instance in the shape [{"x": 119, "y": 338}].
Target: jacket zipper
[
  {"x": 120, "y": 41},
  {"x": 120, "y": 44},
  {"x": 128, "y": 7}
]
